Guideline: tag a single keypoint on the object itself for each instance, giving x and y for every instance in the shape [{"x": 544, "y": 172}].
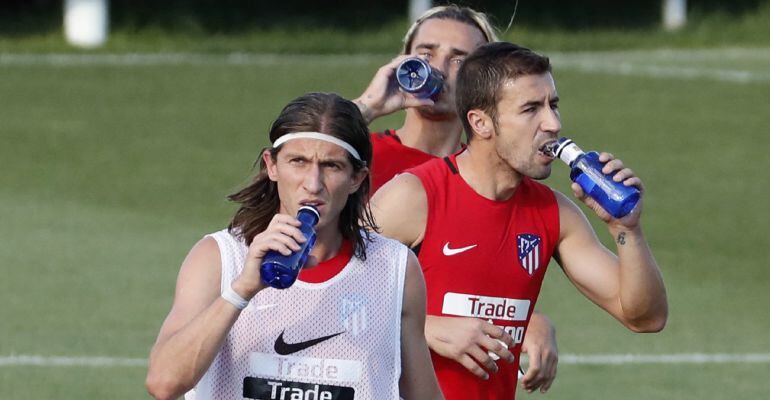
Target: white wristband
[{"x": 234, "y": 298}]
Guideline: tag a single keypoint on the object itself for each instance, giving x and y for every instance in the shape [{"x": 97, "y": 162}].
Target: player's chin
[
  {"x": 437, "y": 112},
  {"x": 541, "y": 172}
]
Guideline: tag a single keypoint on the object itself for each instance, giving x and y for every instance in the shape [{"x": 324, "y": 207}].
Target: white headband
[{"x": 318, "y": 136}]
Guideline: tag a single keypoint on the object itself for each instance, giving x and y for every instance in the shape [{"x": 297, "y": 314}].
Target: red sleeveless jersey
[
  {"x": 390, "y": 157},
  {"x": 486, "y": 259}
]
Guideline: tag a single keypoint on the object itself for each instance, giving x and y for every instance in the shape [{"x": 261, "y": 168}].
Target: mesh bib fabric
[{"x": 339, "y": 339}]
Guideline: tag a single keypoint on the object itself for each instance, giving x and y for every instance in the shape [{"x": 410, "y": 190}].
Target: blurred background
[
  {"x": 116, "y": 156},
  {"x": 350, "y": 26}
]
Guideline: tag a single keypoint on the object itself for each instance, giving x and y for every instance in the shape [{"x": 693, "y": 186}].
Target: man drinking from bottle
[{"x": 350, "y": 327}]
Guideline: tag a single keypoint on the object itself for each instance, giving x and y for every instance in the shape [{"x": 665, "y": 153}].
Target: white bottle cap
[{"x": 568, "y": 151}]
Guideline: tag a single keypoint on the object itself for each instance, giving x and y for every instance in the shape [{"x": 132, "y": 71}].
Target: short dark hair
[
  {"x": 483, "y": 73},
  {"x": 318, "y": 112}
]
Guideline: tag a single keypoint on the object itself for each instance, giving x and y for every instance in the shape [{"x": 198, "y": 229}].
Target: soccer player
[
  {"x": 487, "y": 230},
  {"x": 350, "y": 327},
  {"x": 444, "y": 36}
]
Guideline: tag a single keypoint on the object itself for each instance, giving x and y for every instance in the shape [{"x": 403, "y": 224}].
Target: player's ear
[
  {"x": 480, "y": 123},
  {"x": 358, "y": 179},
  {"x": 270, "y": 165}
]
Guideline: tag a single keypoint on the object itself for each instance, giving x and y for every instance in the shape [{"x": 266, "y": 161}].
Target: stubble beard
[
  {"x": 545, "y": 172},
  {"x": 531, "y": 169},
  {"x": 443, "y": 109}
]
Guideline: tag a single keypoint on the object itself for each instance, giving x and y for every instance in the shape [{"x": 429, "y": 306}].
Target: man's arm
[
  {"x": 195, "y": 327},
  {"x": 199, "y": 320},
  {"x": 418, "y": 380},
  {"x": 400, "y": 209},
  {"x": 383, "y": 97},
  {"x": 628, "y": 285}
]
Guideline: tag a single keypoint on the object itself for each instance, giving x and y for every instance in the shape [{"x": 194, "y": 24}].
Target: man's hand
[
  {"x": 383, "y": 96},
  {"x": 622, "y": 174},
  {"x": 468, "y": 341},
  {"x": 282, "y": 235},
  {"x": 540, "y": 345}
]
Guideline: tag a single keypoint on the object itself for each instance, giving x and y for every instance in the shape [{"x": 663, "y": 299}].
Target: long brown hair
[{"x": 318, "y": 112}]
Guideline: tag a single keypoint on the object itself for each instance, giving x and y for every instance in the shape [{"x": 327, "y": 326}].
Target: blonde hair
[{"x": 454, "y": 12}]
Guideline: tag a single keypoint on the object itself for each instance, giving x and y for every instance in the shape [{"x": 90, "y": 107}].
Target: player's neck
[
  {"x": 328, "y": 243},
  {"x": 487, "y": 174},
  {"x": 438, "y": 138}
]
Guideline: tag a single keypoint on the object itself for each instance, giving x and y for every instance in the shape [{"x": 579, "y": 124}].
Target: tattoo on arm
[{"x": 621, "y": 238}]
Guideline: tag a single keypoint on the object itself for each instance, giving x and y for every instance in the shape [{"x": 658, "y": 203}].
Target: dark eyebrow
[
  {"x": 459, "y": 52},
  {"x": 333, "y": 160},
  {"x": 294, "y": 155},
  {"x": 426, "y": 46},
  {"x": 535, "y": 103},
  {"x": 433, "y": 46}
]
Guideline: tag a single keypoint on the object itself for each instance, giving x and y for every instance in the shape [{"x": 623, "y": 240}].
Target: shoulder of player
[
  {"x": 403, "y": 186},
  {"x": 202, "y": 267},
  {"x": 197, "y": 285},
  {"x": 205, "y": 252},
  {"x": 400, "y": 208},
  {"x": 571, "y": 217},
  {"x": 199, "y": 279},
  {"x": 566, "y": 205}
]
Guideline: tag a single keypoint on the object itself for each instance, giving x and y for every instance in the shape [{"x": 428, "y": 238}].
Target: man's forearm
[
  {"x": 366, "y": 111},
  {"x": 541, "y": 324},
  {"x": 642, "y": 292}
]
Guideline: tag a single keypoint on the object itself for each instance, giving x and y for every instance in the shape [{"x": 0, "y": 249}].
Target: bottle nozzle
[
  {"x": 566, "y": 150},
  {"x": 309, "y": 214},
  {"x": 549, "y": 149}
]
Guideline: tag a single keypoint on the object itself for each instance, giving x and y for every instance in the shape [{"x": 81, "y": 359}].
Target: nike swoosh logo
[
  {"x": 265, "y": 306},
  {"x": 285, "y": 349},
  {"x": 450, "y": 252}
]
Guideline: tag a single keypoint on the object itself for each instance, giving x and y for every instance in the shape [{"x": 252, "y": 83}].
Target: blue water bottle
[
  {"x": 586, "y": 170},
  {"x": 280, "y": 271},
  {"x": 414, "y": 75}
]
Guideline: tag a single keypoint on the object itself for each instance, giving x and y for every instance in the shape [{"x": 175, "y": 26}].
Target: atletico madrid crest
[{"x": 529, "y": 251}]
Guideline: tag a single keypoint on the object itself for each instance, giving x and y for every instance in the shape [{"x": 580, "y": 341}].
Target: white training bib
[{"x": 335, "y": 340}]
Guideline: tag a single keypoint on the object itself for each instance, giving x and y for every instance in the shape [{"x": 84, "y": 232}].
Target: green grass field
[{"x": 112, "y": 170}]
